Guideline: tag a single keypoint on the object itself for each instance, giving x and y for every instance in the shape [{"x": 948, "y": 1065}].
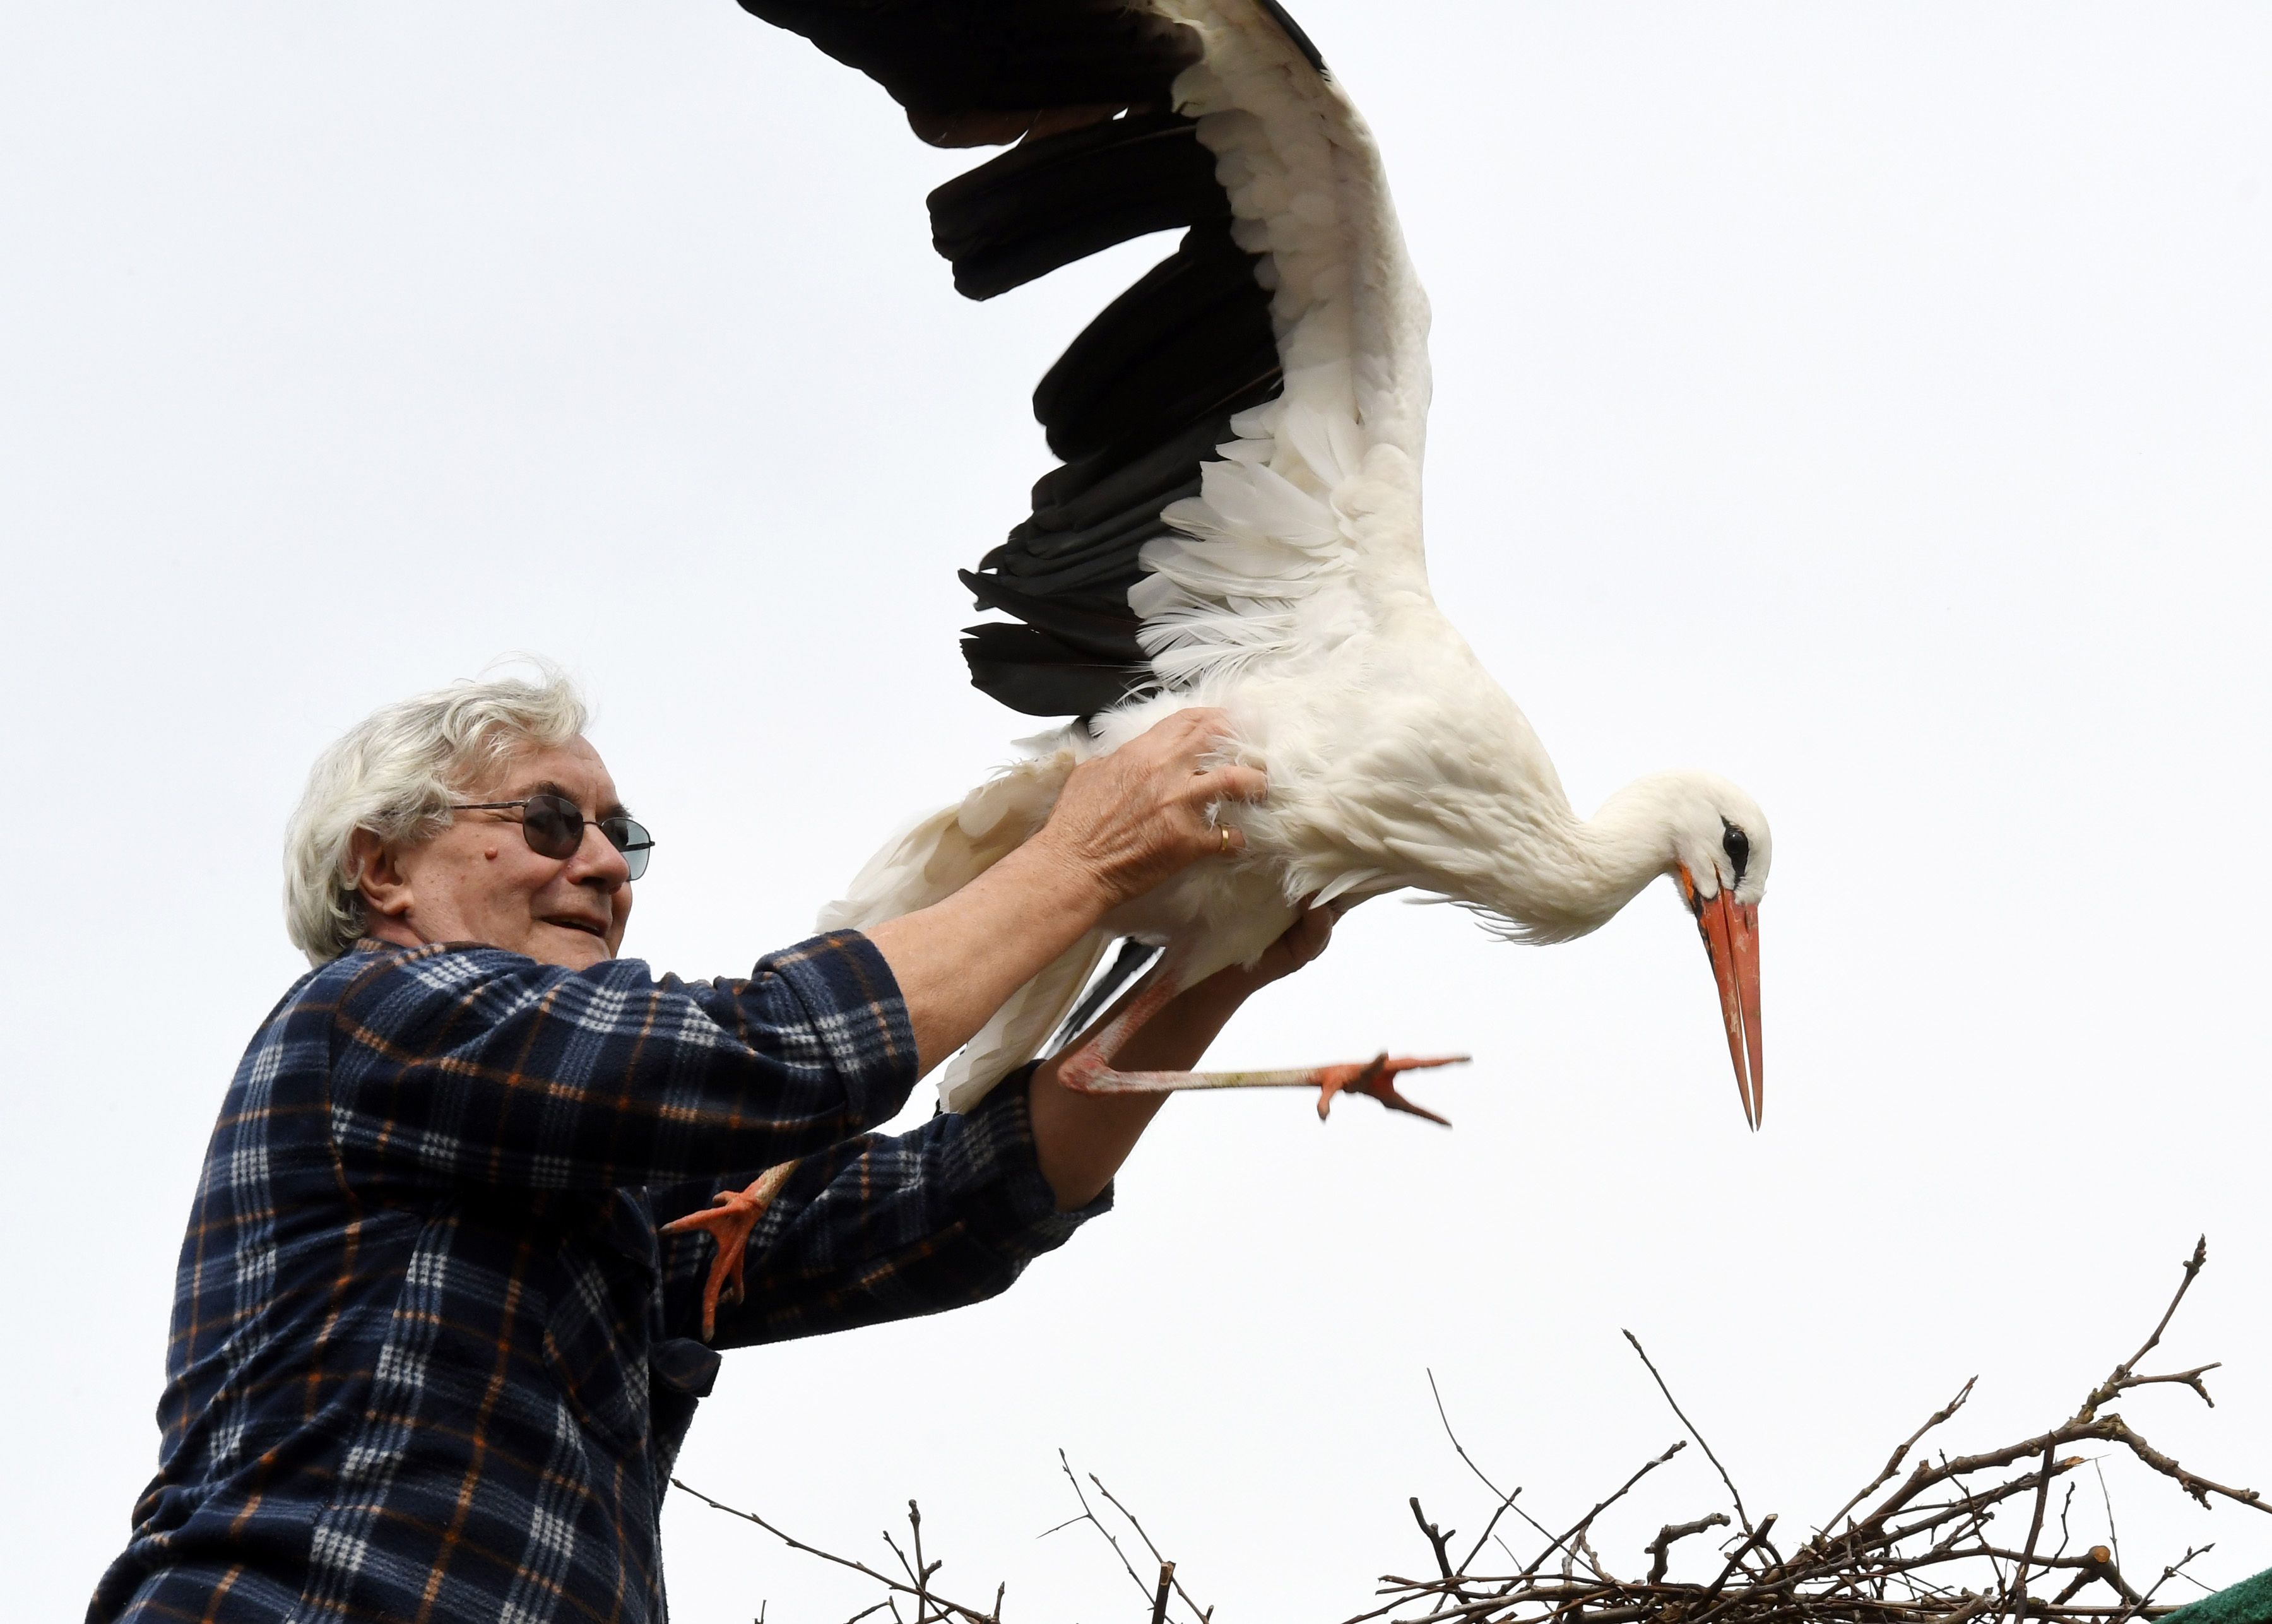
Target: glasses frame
[{"x": 634, "y": 852}]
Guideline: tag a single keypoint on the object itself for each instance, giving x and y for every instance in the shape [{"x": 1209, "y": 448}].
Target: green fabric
[{"x": 2248, "y": 1602}]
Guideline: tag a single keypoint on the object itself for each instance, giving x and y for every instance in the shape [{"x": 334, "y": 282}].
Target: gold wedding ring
[{"x": 1222, "y": 834}]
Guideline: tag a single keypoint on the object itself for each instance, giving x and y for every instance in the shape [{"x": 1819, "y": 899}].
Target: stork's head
[{"x": 1721, "y": 850}]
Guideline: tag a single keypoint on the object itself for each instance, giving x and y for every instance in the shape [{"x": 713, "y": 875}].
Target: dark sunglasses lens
[
  {"x": 632, "y": 840},
  {"x": 554, "y": 828}
]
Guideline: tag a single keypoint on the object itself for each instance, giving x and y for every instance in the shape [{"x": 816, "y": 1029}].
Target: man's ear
[{"x": 386, "y": 889}]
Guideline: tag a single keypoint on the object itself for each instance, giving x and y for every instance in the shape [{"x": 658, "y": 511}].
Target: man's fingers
[
  {"x": 1189, "y": 736},
  {"x": 1186, "y": 733},
  {"x": 1221, "y": 840},
  {"x": 1242, "y": 783},
  {"x": 1227, "y": 783}
]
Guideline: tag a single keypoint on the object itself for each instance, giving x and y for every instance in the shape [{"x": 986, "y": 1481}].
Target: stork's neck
[{"x": 1560, "y": 875}]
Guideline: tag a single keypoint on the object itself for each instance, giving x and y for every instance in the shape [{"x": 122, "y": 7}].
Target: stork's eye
[{"x": 1737, "y": 845}]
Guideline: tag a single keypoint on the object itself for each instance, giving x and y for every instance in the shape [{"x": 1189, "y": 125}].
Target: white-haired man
[{"x": 431, "y": 1358}]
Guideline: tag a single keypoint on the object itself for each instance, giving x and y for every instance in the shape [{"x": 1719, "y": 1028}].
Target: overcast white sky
[{"x": 1871, "y": 403}]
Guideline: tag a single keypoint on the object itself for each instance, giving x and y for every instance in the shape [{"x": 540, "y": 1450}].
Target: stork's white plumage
[
  {"x": 1280, "y": 358},
  {"x": 1291, "y": 591},
  {"x": 1236, "y": 524}
]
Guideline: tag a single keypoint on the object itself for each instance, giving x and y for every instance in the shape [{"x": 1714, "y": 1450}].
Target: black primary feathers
[
  {"x": 1050, "y": 202},
  {"x": 1146, "y": 392}
]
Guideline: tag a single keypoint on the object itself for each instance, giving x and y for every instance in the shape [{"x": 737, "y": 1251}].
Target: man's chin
[{"x": 569, "y": 948}]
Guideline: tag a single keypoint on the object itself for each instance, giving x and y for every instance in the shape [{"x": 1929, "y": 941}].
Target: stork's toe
[
  {"x": 1374, "y": 1078},
  {"x": 729, "y": 1221}
]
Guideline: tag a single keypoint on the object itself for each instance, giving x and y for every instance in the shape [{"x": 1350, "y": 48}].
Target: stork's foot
[
  {"x": 1373, "y": 1077},
  {"x": 728, "y": 1220},
  {"x": 1376, "y": 1077}
]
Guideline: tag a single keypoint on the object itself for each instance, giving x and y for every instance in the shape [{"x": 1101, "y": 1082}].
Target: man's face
[{"x": 478, "y": 882}]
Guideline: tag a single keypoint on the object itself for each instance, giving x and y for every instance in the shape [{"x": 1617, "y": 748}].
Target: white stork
[{"x": 1237, "y": 524}]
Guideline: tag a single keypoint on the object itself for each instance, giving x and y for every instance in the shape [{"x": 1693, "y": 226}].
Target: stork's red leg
[
  {"x": 1089, "y": 1070},
  {"x": 728, "y": 1220},
  {"x": 1372, "y": 1077}
]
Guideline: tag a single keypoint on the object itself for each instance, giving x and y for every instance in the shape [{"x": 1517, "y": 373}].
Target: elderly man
[{"x": 431, "y": 1357}]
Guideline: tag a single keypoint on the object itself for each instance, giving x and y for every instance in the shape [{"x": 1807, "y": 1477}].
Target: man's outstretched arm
[
  {"x": 1082, "y": 1138},
  {"x": 884, "y": 1227}
]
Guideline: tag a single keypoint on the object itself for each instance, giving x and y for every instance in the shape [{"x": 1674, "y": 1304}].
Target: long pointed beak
[{"x": 1731, "y": 937}]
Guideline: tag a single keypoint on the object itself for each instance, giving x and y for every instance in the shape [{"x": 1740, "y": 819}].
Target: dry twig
[{"x": 930, "y": 1604}]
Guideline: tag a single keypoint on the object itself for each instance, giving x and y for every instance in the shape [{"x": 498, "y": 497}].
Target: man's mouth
[{"x": 589, "y": 927}]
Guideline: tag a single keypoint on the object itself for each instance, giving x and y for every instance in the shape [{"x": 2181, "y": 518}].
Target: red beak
[{"x": 1731, "y": 937}]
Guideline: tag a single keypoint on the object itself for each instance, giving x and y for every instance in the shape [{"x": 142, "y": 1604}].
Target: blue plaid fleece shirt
[{"x": 430, "y": 1359}]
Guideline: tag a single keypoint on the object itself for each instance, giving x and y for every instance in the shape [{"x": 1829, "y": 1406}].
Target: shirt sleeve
[
  {"x": 884, "y": 1227},
  {"x": 469, "y": 1065}
]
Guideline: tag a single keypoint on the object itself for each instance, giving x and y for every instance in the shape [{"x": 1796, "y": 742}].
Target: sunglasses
[{"x": 554, "y": 828}]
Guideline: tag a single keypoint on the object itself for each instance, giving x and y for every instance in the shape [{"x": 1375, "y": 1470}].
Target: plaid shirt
[{"x": 430, "y": 1359}]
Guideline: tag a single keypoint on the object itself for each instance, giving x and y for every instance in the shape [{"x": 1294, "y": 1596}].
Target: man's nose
[{"x": 597, "y": 862}]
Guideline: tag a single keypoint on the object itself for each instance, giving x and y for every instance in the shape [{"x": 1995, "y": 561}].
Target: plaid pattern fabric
[{"x": 430, "y": 1359}]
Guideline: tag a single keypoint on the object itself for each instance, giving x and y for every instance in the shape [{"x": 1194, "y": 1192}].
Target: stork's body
[
  {"x": 1394, "y": 766},
  {"x": 1237, "y": 522}
]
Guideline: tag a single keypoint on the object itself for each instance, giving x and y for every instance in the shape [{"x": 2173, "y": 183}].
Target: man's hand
[
  {"x": 1305, "y": 939},
  {"x": 1133, "y": 819},
  {"x": 1123, "y": 823}
]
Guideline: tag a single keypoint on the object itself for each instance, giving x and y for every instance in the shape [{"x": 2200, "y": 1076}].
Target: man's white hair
[{"x": 395, "y": 774}]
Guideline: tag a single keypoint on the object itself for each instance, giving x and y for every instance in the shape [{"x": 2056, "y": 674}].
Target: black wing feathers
[
  {"x": 1096, "y": 558},
  {"x": 1029, "y": 670},
  {"x": 1191, "y": 333},
  {"x": 1089, "y": 623},
  {"x": 1086, "y": 491},
  {"x": 940, "y": 58},
  {"x": 1144, "y": 395},
  {"x": 1046, "y": 203}
]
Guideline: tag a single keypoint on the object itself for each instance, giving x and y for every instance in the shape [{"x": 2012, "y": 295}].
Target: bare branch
[
  {"x": 1089, "y": 1517},
  {"x": 1740, "y": 1516},
  {"x": 1437, "y": 1538},
  {"x": 1900, "y": 1452},
  {"x": 2121, "y": 1380},
  {"x": 1149, "y": 1546},
  {"x": 969, "y": 1615},
  {"x": 1506, "y": 1502},
  {"x": 1660, "y": 1549},
  {"x": 1587, "y": 1521},
  {"x": 2035, "y": 1532}
]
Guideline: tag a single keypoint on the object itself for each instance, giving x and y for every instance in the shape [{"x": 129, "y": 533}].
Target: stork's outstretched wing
[{"x": 1241, "y": 430}]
